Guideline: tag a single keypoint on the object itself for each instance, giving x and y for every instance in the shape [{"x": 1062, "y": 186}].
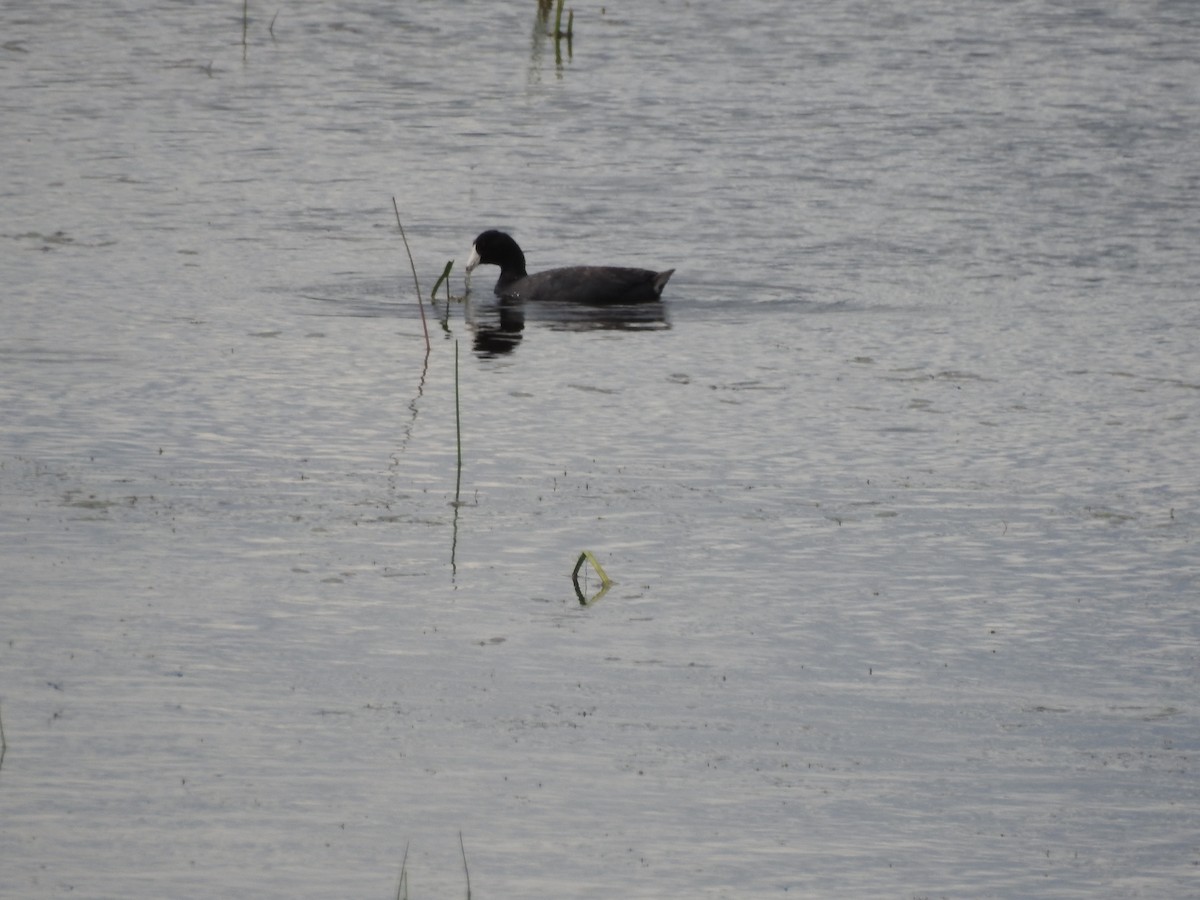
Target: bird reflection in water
[{"x": 499, "y": 324}]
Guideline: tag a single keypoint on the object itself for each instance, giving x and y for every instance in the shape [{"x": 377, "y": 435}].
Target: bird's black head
[{"x": 495, "y": 248}]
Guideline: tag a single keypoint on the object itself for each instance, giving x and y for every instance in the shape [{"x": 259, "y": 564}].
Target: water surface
[{"x": 898, "y": 487}]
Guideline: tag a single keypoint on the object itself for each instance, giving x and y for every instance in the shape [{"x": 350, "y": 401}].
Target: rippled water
[{"x": 897, "y": 488}]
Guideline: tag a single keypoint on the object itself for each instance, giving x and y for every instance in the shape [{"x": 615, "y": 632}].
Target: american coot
[{"x": 592, "y": 285}]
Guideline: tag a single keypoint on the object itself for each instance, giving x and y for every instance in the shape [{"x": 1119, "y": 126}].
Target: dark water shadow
[{"x": 498, "y": 325}]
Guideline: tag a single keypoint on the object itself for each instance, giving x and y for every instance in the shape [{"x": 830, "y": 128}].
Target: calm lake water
[{"x": 898, "y": 488}]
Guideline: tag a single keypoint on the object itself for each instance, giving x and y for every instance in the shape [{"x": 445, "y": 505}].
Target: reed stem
[
  {"x": 402, "y": 890},
  {"x": 466, "y": 871},
  {"x": 413, "y": 266},
  {"x": 457, "y": 427}
]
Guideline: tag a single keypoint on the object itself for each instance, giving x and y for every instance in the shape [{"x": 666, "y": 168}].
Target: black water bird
[{"x": 589, "y": 285}]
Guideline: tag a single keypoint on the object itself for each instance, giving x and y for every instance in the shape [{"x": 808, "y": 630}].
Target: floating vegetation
[
  {"x": 605, "y": 581},
  {"x": 444, "y": 277},
  {"x": 557, "y": 33}
]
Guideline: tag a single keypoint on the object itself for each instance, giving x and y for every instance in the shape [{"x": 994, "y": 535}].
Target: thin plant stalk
[
  {"x": 457, "y": 425},
  {"x": 558, "y": 35},
  {"x": 402, "y": 890},
  {"x": 466, "y": 871},
  {"x": 457, "y": 504},
  {"x": 413, "y": 265}
]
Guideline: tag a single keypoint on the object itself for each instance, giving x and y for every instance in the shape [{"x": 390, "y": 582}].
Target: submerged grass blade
[{"x": 445, "y": 276}]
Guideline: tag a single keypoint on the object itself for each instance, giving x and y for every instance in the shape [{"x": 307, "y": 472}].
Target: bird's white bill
[{"x": 473, "y": 259}]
